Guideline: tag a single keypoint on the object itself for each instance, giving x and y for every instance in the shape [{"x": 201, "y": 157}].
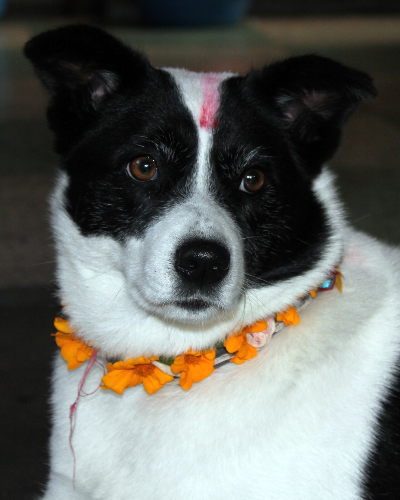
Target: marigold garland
[{"x": 193, "y": 366}]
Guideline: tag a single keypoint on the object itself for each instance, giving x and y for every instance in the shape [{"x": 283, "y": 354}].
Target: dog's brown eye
[
  {"x": 143, "y": 168},
  {"x": 253, "y": 180}
]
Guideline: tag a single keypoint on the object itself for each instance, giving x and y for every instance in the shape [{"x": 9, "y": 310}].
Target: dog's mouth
[
  {"x": 193, "y": 305},
  {"x": 191, "y": 311}
]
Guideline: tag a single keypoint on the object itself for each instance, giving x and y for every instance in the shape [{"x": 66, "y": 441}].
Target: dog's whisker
[{"x": 116, "y": 296}]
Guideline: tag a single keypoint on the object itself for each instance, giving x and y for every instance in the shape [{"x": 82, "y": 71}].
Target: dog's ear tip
[
  {"x": 323, "y": 73},
  {"x": 71, "y": 54},
  {"x": 80, "y": 41}
]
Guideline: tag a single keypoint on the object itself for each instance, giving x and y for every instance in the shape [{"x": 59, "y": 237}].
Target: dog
[{"x": 233, "y": 336}]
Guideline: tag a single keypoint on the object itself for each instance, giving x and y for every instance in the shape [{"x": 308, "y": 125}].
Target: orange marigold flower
[
  {"x": 258, "y": 326},
  {"x": 313, "y": 293},
  {"x": 73, "y": 350},
  {"x": 234, "y": 342},
  {"x": 194, "y": 366},
  {"x": 245, "y": 352},
  {"x": 238, "y": 342},
  {"x": 62, "y": 325},
  {"x": 132, "y": 372},
  {"x": 289, "y": 317}
]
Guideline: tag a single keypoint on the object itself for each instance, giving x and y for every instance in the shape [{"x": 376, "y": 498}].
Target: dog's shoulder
[{"x": 377, "y": 267}]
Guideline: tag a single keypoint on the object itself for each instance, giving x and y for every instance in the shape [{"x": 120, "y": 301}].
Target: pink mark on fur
[
  {"x": 355, "y": 256},
  {"x": 74, "y": 406},
  {"x": 209, "y": 84}
]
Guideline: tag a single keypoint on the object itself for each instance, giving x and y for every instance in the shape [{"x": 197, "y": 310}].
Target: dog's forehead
[{"x": 200, "y": 93}]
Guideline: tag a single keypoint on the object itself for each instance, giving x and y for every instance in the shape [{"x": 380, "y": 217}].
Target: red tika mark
[{"x": 209, "y": 108}]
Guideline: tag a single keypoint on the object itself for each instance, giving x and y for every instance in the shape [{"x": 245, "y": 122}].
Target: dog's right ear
[
  {"x": 82, "y": 66},
  {"x": 312, "y": 96}
]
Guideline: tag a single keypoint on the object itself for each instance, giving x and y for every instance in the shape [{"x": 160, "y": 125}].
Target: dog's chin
[
  {"x": 191, "y": 312},
  {"x": 187, "y": 312}
]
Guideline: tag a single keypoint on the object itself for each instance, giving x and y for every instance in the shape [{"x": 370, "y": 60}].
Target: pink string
[{"x": 74, "y": 406}]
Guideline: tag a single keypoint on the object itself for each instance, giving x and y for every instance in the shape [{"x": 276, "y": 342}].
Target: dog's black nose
[{"x": 202, "y": 262}]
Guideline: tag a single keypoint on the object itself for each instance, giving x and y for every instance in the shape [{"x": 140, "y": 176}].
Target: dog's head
[{"x": 188, "y": 204}]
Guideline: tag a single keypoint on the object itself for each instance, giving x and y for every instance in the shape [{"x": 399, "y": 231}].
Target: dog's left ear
[
  {"x": 313, "y": 97},
  {"x": 82, "y": 67}
]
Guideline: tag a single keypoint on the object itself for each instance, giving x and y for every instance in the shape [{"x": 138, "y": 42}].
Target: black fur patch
[
  {"x": 102, "y": 197},
  {"x": 283, "y": 225}
]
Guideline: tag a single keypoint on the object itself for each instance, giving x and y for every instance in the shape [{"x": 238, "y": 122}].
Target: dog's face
[{"x": 188, "y": 203}]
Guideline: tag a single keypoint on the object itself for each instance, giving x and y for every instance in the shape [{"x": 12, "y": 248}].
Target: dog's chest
[{"x": 295, "y": 422}]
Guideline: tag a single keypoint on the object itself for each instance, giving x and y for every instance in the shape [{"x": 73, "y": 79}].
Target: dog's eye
[
  {"x": 253, "y": 180},
  {"x": 142, "y": 169}
]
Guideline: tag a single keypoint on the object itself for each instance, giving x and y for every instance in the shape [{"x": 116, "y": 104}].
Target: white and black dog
[{"x": 189, "y": 208}]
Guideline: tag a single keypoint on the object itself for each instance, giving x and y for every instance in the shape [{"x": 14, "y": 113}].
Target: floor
[{"x": 367, "y": 168}]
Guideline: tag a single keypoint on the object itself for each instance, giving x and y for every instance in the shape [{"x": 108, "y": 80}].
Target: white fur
[{"x": 293, "y": 423}]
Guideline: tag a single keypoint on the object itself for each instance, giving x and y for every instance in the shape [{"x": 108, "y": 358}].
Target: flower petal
[
  {"x": 151, "y": 384},
  {"x": 289, "y": 317},
  {"x": 210, "y": 354},
  {"x": 179, "y": 364},
  {"x": 186, "y": 381},
  {"x": 62, "y": 338},
  {"x": 62, "y": 325},
  {"x": 258, "y": 326},
  {"x": 142, "y": 360},
  {"x": 234, "y": 342},
  {"x": 119, "y": 380},
  {"x": 162, "y": 377},
  {"x": 338, "y": 282},
  {"x": 73, "y": 363},
  {"x": 246, "y": 352},
  {"x": 69, "y": 350},
  {"x": 237, "y": 360}
]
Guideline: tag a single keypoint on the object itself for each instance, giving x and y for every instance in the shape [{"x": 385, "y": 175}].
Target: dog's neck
[{"x": 193, "y": 366}]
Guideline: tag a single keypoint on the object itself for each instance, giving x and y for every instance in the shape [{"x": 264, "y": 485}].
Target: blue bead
[{"x": 327, "y": 284}]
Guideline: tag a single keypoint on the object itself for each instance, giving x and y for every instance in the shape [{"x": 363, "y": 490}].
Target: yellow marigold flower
[
  {"x": 338, "y": 281},
  {"x": 132, "y": 372},
  {"x": 289, "y": 317},
  {"x": 74, "y": 351},
  {"x": 194, "y": 366},
  {"x": 238, "y": 342}
]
